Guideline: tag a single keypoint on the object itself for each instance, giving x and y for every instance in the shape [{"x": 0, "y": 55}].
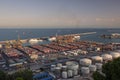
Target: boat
[
  {"x": 32, "y": 41},
  {"x": 52, "y": 39},
  {"x": 40, "y": 40},
  {"x": 115, "y": 34},
  {"x": 110, "y": 36},
  {"x": 77, "y": 37}
]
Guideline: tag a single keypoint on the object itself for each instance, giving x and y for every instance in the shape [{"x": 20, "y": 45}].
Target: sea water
[{"x": 11, "y": 34}]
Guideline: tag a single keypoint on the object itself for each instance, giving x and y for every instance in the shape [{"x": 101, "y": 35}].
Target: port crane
[
  {"x": 64, "y": 39},
  {"x": 17, "y": 43}
]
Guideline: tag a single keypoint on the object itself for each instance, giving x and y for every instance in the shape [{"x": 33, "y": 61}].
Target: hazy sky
[{"x": 60, "y": 13}]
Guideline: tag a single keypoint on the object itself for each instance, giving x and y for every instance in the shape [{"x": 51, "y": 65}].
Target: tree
[
  {"x": 19, "y": 78},
  {"x": 20, "y": 75},
  {"x": 98, "y": 76},
  {"x": 111, "y": 71},
  {"x": 25, "y": 74},
  {"x": 3, "y": 75}
]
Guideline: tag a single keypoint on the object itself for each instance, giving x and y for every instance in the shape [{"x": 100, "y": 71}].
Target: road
[
  {"x": 77, "y": 58},
  {"x": 38, "y": 65}
]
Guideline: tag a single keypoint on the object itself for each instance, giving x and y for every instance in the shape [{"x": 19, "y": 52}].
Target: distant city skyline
[{"x": 60, "y": 13}]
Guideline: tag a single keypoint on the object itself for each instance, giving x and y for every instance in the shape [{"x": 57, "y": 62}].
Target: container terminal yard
[{"x": 66, "y": 57}]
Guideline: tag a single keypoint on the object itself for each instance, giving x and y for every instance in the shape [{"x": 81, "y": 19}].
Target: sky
[{"x": 59, "y": 13}]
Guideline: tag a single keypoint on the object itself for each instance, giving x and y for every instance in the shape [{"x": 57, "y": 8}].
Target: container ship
[{"x": 111, "y": 36}]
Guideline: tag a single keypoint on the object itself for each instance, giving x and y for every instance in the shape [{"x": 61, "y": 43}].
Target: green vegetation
[
  {"x": 98, "y": 76},
  {"x": 3, "y": 75},
  {"x": 111, "y": 71},
  {"x": 19, "y": 78},
  {"x": 20, "y": 75},
  {"x": 26, "y": 74}
]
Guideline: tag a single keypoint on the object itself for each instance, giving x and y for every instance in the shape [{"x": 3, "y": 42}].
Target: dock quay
[{"x": 53, "y": 50}]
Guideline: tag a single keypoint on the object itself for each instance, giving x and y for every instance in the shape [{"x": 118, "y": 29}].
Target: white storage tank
[
  {"x": 64, "y": 68},
  {"x": 85, "y": 70},
  {"x": 97, "y": 59},
  {"x": 59, "y": 65},
  {"x": 106, "y": 57},
  {"x": 85, "y": 62},
  {"x": 70, "y": 73},
  {"x": 99, "y": 66},
  {"x": 53, "y": 67},
  {"x": 64, "y": 75},
  {"x": 75, "y": 72},
  {"x": 0, "y": 45},
  {"x": 97, "y": 49},
  {"x": 92, "y": 68},
  {"x": 118, "y": 51},
  {"x": 58, "y": 71},
  {"x": 72, "y": 65},
  {"x": 115, "y": 54}
]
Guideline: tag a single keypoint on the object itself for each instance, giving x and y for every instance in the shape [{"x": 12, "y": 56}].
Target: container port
[{"x": 62, "y": 59}]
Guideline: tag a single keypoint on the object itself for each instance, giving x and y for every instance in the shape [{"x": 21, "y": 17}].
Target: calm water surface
[{"x": 8, "y": 34}]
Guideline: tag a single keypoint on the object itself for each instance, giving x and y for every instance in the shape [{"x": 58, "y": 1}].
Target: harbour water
[{"x": 11, "y": 34}]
